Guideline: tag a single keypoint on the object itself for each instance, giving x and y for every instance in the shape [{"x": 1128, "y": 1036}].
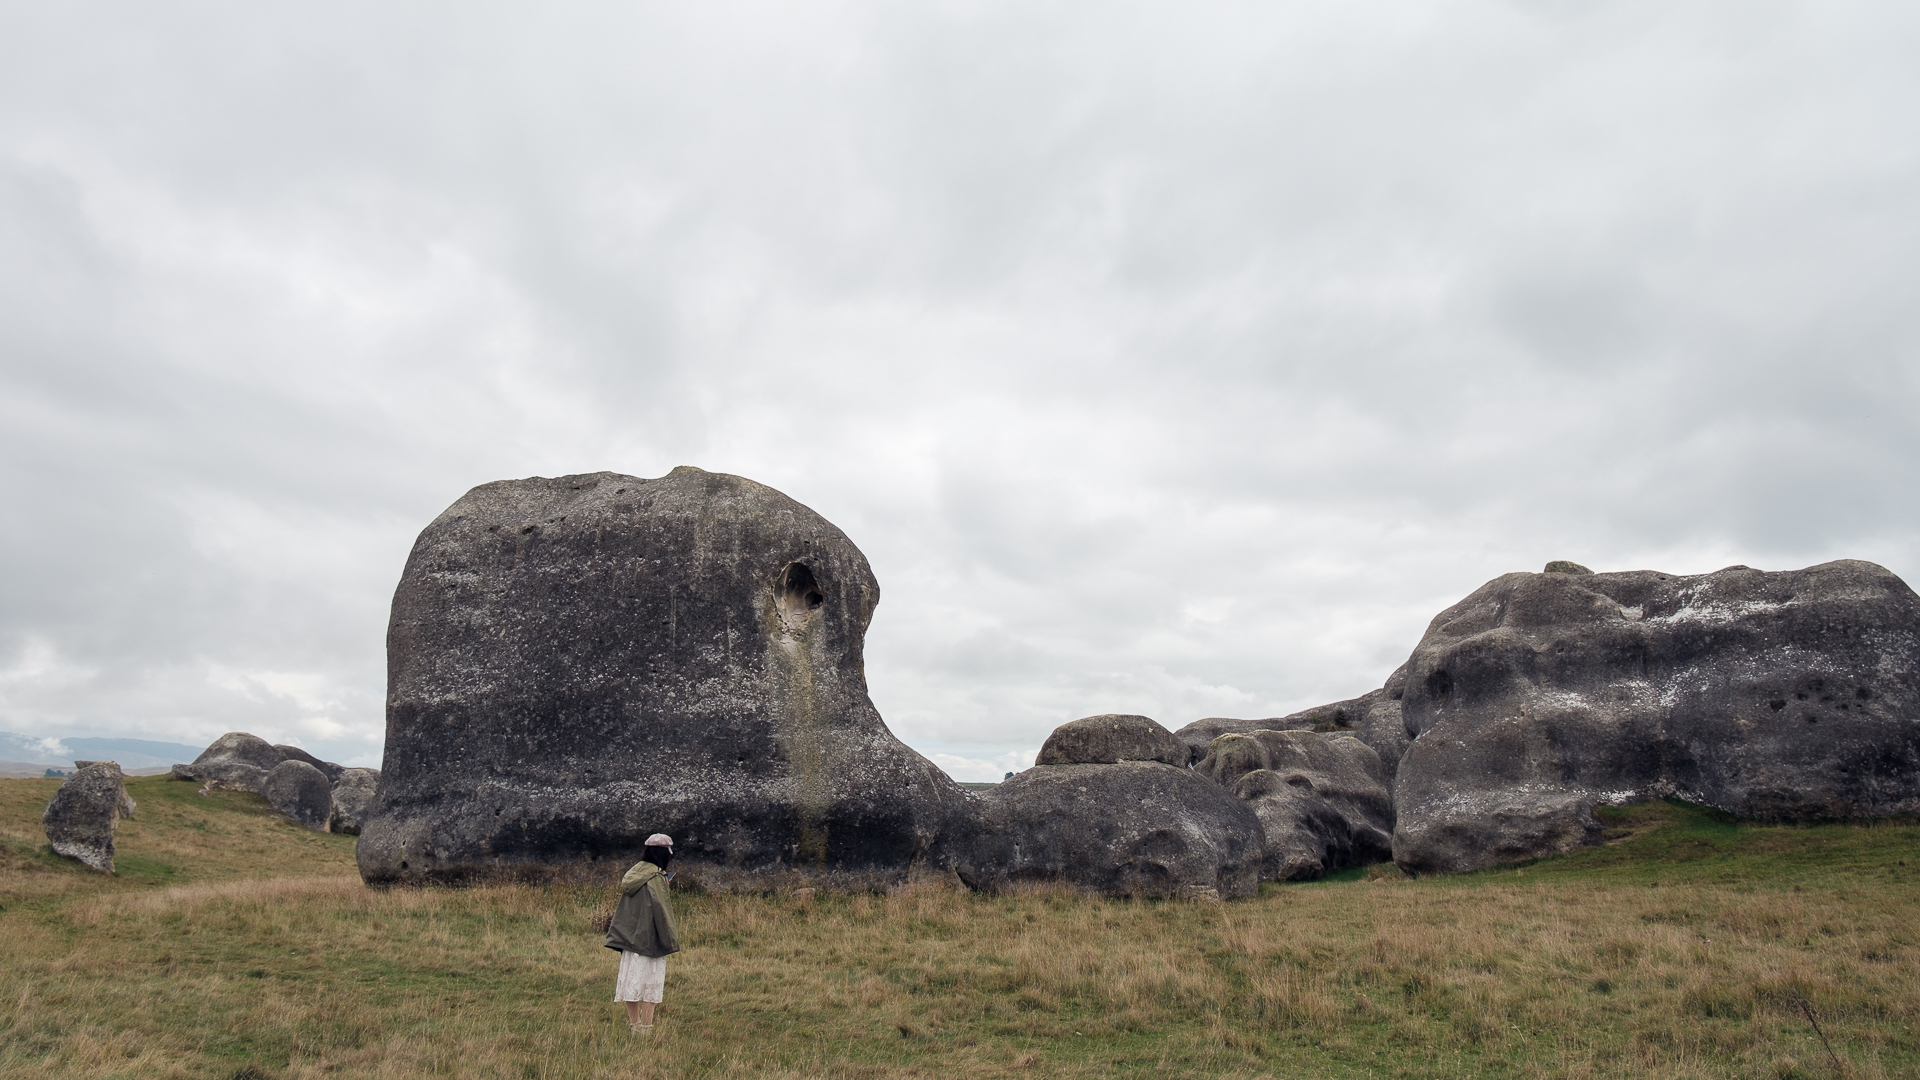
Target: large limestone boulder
[
  {"x": 576, "y": 663},
  {"x": 237, "y": 761},
  {"x": 81, "y": 818},
  {"x": 1323, "y": 800},
  {"x": 301, "y": 792},
  {"x": 1111, "y": 738},
  {"x": 352, "y": 794},
  {"x": 1775, "y": 696},
  {"x": 294, "y": 753},
  {"x": 1131, "y": 828}
]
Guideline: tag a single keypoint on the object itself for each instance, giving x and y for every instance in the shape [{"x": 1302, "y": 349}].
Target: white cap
[{"x": 660, "y": 839}]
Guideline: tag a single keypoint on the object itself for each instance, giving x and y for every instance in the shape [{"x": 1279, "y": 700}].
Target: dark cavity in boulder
[{"x": 576, "y": 663}]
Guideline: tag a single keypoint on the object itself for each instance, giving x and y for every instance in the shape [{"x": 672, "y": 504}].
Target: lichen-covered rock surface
[
  {"x": 1323, "y": 800},
  {"x": 236, "y": 761},
  {"x": 81, "y": 817},
  {"x": 575, "y": 663},
  {"x": 1774, "y": 696},
  {"x": 1111, "y": 738},
  {"x": 1132, "y": 828},
  {"x": 352, "y": 794}
]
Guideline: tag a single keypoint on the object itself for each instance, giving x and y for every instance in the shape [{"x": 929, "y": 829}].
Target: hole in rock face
[
  {"x": 1440, "y": 684},
  {"x": 799, "y": 595}
]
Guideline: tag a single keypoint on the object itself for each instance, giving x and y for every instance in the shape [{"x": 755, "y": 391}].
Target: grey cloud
[{"x": 1174, "y": 361}]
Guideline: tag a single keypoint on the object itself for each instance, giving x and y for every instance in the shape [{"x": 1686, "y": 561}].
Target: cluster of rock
[
  {"x": 578, "y": 662},
  {"x": 83, "y": 814},
  {"x": 319, "y": 795}
]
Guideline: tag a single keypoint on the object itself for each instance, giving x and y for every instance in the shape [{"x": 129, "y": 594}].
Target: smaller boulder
[
  {"x": 352, "y": 795},
  {"x": 301, "y": 792},
  {"x": 1133, "y": 828},
  {"x": 1562, "y": 566},
  {"x": 83, "y": 814},
  {"x": 1199, "y": 735},
  {"x": 1322, "y": 799},
  {"x": 294, "y": 753},
  {"x": 1110, "y": 739},
  {"x": 236, "y": 760}
]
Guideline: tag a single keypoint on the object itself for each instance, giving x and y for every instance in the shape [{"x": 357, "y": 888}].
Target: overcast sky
[{"x": 1174, "y": 359}]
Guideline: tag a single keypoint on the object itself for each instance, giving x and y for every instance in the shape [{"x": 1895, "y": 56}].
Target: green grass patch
[{"x": 233, "y": 943}]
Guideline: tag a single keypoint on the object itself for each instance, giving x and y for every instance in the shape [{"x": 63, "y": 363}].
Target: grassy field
[{"x": 233, "y": 944}]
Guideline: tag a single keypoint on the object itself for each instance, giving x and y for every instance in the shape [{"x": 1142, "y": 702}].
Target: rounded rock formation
[
  {"x": 1132, "y": 828},
  {"x": 1322, "y": 800},
  {"x": 1775, "y": 696},
  {"x": 301, "y": 792},
  {"x": 81, "y": 818},
  {"x": 576, "y": 663},
  {"x": 352, "y": 794},
  {"x": 1111, "y": 738},
  {"x": 236, "y": 760}
]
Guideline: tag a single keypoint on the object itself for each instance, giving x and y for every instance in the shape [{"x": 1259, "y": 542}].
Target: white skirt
[{"x": 642, "y": 978}]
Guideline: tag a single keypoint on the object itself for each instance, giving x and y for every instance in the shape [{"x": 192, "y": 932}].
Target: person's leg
[{"x": 636, "y": 1010}]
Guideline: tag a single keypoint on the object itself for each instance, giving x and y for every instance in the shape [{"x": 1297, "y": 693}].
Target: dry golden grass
[{"x": 1682, "y": 951}]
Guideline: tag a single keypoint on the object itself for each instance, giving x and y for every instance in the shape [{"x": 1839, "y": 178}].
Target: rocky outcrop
[
  {"x": 238, "y": 761},
  {"x": 294, "y": 753},
  {"x": 1373, "y": 718},
  {"x": 1111, "y": 738},
  {"x": 1132, "y": 828},
  {"x": 576, "y": 663},
  {"x": 301, "y": 792},
  {"x": 1322, "y": 800},
  {"x": 81, "y": 818},
  {"x": 1774, "y": 696},
  {"x": 352, "y": 794}
]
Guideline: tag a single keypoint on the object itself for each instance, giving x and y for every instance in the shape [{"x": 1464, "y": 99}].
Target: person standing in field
[{"x": 643, "y": 932}]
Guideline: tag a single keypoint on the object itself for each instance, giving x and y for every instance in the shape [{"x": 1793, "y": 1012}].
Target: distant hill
[{"x": 26, "y": 750}]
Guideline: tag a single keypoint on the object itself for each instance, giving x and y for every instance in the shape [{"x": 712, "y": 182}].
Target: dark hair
[{"x": 657, "y": 854}]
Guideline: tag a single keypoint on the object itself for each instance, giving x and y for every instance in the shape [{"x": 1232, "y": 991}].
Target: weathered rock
[
  {"x": 576, "y": 663},
  {"x": 83, "y": 814},
  {"x": 352, "y": 794},
  {"x": 1135, "y": 828},
  {"x": 1110, "y": 738},
  {"x": 1322, "y": 800},
  {"x": 1373, "y": 718},
  {"x": 301, "y": 792},
  {"x": 294, "y": 753},
  {"x": 236, "y": 760},
  {"x": 1775, "y": 696}
]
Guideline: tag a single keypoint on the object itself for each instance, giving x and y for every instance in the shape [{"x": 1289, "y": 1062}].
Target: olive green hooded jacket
[{"x": 643, "y": 923}]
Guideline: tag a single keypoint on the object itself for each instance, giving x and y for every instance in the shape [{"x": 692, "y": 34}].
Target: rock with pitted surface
[
  {"x": 1132, "y": 828},
  {"x": 1373, "y": 718},
  {"x": 1323, "y": 800},
  {"x": 301, "y": 792},
  {"x": 577, "y": 663},
  {"x": 81, "y": 818},
  {"x": 352, "y": 793},
  {"x": 1111, "y": 738},
  {"x": 1774, "y": 696}
]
